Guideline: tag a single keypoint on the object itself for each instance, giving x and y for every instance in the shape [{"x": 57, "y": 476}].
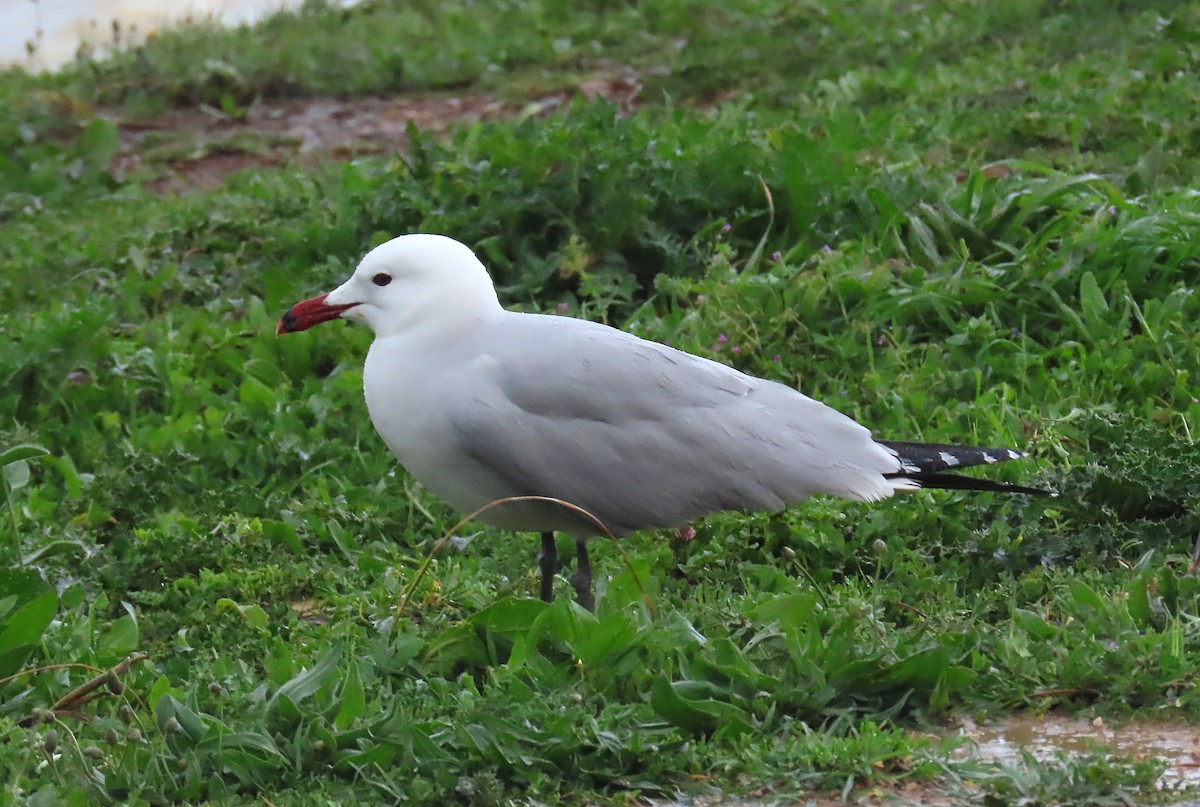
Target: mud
[
  {"x": 200, "y": 147},
  {"x": 1177, "y": 744}
]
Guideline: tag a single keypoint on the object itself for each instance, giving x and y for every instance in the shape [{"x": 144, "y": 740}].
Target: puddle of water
[
  {"x": 56, "y": 28},
  {"x": 1177, "y": 744}
]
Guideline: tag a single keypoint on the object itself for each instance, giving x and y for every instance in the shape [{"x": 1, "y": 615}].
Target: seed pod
[
  {"x": 172, "y": 725},
  {"x": 880, "y": 546},
  {"x": 50, "y": 741},
  {"x": 133, "y": 735},
  {"x": 114, "y": 683},
  {"x": 111, "y": 737},
  {"x": 125, "y": 713}
]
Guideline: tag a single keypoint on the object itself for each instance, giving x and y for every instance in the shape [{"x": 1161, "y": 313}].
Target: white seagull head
[{"x": 404, "y": 284}]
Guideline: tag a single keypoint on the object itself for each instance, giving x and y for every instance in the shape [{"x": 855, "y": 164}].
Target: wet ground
[
  {"x": 199, "y": 147},
  {"x": 1004, "y": 741},
  {"x": 1178, "y": 744}
]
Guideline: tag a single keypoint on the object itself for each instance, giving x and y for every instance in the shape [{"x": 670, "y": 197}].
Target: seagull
[{"x": 480, "y": 404}]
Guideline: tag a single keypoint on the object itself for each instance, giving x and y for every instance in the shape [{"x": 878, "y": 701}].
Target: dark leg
[
  {"x": 548, "y": 563},
  {"x": 581, "y": 581}
]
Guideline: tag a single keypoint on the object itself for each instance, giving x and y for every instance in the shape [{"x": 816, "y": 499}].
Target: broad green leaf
[
  {"x": 1033, "y": 624},
  {"x": 604, "y": 643},
  {"x": 13, "y": 658},
  {"x": 788, "y": 610},
  {"x": 190, "y": 723},
  {"x": 242, "y": 740},
  {"x": 160, "y": 689},
  {"x": 1092, "y": 304},
  {"x": 6, "y": 605},
  {"x": 1138, "y": 601},
  {"x": 923, "y": 241},
  {"x": 285, "y": 707},
  {"x": 24, "y": 584},
  {"x": 283, "y": 534},
  {"x": 312, "y": 679},
  {"x": 257, "y": 395},
  {"x": 27, "y": 624},
  {"x": 121, "y": 639},
  {"x": 256, "y": 616},
  {"x": 23, "y": 631},
  {"x": 626, "y": 587},
  {"x": 681, "y": 703},
  {"x": 729, "y": 665},
  {"x": 921, "y": 670},
  {"x": 404, "y": 648},
  {"x": 955, "y": 681},
  {"x": 24, "y": 451},
  {"x": 353, "y": 702},
  {"x": 509, "y": 614},
  {"x": 1087, "y": 599}
]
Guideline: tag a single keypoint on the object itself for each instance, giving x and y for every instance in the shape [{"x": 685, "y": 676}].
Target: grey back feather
[{"x": 642, "y": 435}]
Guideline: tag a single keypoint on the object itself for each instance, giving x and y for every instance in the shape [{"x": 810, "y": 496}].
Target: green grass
[{"x": 980, "y": 228}]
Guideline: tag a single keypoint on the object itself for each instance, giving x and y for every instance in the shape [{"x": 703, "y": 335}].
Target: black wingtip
[
  {"x": 945, "y": 481},
  {"x": 932, "y": 465},
  {"x": 924, "y": 458}
]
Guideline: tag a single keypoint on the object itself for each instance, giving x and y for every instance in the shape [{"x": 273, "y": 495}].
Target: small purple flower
[
  {"x": 776, "y": 256},
  {"x": 737, "y": 349},
  {"x": 727, "y": 228},
  {"x": 1016, "y": 331},
  {"x": 827, "y": 248},
  {"x": 777, "y": 357},
  {"x": 1112, "y": 210},
  {"x": 563, "y": 306},
  {"x": 881, "y": 340},
  {"x": 722, "y": 337}
]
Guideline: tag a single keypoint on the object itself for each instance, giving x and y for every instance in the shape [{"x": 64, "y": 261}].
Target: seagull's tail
[{"x": 929, "y": 464}]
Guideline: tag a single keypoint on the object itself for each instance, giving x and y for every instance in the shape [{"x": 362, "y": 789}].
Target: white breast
[{"x": 404, "y": 387}]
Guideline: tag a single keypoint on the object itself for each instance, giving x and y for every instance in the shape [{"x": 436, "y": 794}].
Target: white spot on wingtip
[
  {"x": 988, "y": 457},
  {"x": 948, "y": 458},
  {"x": 1015, "y": 455}
]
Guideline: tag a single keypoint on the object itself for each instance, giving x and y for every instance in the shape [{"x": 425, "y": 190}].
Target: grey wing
[{"x": 641, "y": 435}]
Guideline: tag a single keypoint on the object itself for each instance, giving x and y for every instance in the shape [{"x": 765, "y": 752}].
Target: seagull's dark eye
[{"x": 381, "y": 279}]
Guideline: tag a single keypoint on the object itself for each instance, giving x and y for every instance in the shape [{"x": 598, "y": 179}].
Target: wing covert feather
[{"x": 642, "y": 435}]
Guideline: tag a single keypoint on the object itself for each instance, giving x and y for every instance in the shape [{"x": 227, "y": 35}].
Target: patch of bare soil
[{"x": 200, "y": 148}]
